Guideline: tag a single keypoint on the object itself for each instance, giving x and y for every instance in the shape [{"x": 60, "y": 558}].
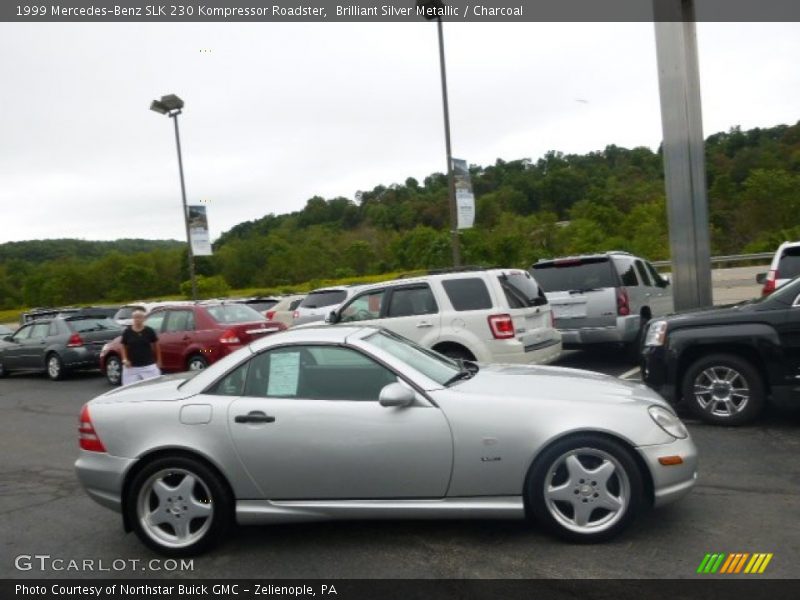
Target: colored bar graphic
[
  {"x": 765, "y": 563},
  {"x": 701, "y": 568},
  {"x": 733, "y": 563},
  {"x": 741, "y": 562},
  {"x": 727, "y": 565}
]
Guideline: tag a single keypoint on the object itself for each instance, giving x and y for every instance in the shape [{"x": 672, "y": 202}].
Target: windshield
[
  {"x": 126, "y": 312},
  {"x": 323, "y": 298},
  {"x": 431, "y": 364},
  {"x": 789, "y": 263},
  {"x": 577, "y": 274},
  {"x": 521, "y": 290},
  {"x": 234, "y": 313},
  {"x": 785, "y": 294},
  {"x": 84, "y": 324},
  {"x": 262, "y": 305}
]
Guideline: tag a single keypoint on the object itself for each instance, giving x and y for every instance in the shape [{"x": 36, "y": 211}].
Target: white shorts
[{"x": 133, "y": 374}]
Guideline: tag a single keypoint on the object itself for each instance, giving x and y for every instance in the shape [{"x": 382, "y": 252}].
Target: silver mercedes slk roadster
[{"x": 359, "y": 423}]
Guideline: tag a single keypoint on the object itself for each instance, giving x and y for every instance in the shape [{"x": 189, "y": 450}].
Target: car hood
[
  {"x": 165, "y": 387},
  {"x": 729, "y": 312},
  {"x": 555, "y": 383}
]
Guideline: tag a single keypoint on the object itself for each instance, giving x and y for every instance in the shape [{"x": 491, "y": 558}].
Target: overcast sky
[{"x": 277, "y": 113}]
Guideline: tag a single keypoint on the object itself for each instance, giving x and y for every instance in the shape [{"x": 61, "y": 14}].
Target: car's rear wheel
[
  {"x": 455, "y": 352},
  {"x": 114, "y": 370},
  {"x": 178, "y": 506},
  {"x": 585, "y": 488},
  {"x": 196, "y": 363},
  {"x": 724, "y": 389},
  {"x": 55, "y": 366}
]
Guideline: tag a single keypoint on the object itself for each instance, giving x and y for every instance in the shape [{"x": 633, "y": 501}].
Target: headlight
[
  {"x": 668, "y": 422},
  {"x": 656, "y": 334}
]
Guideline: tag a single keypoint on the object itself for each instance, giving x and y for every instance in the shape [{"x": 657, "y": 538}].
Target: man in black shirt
[{"x": 141, "y": 356}]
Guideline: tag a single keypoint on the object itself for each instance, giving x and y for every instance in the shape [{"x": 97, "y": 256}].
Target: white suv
[
  {"x": 486, "y": 315},
  {"x": 784, "y": 267}
]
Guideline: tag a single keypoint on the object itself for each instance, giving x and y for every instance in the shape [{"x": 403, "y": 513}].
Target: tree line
[{"x": 525, "y": 210}]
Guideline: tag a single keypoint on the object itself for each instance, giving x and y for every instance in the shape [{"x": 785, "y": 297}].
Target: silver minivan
[{"x": 600, "y": 298}]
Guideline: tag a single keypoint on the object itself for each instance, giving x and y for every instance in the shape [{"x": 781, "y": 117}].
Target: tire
[
  {"x": 586, "y": 488},
  {"x": 3, "y": 371},
  {"x": 633, "y": 349},
  {"x": 54, "y": 367},
  {"x": 114, "y": 370},
  {"x": 163, "y": 489},
  {"x": 196, "y": 363},
  {"x": 733, "y": 391}
]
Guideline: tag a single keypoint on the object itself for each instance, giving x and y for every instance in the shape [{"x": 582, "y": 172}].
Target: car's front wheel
[
  {"x": 114, "y": 370},
  {"x": 178, "y": 506},
  {"x": 724, "y": 389},
  {"x": 585, "y": 488}
]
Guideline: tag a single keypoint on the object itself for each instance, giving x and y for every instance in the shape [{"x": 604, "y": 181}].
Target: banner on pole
[
  {"x": 465, "y": 200},
  {"x": 198, "y": 230}
]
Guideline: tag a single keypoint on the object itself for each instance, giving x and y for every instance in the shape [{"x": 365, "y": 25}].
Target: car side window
[
  {"x": 316, "y": 373},
  {"x": 643, "y": 276},
  {"x": 364, "y": 307},
  {"x": 467, "y": 294},
  {"x": 233, "y": 383},
  {"x": 180, "y": 320},
  {"x": 24, "y": 333},
  {"x": 627, "y": 274},
  {"x": 412, "y": 301},
  {"x": 39, "y": 331},
  {"x": 295, "y": 304},
  {"x": 156, "y": 320},
  {"x": 658, "y": 280}
]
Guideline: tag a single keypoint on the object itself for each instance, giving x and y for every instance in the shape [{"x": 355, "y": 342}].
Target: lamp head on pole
[{"x": 168, "y": 105}]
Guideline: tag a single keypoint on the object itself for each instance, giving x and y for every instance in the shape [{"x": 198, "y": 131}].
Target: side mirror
[
  {"x": 8, "y": 338},
  {"x": 332, "y": 318},
  {"x": 761, "y": 278},
  {"x": 396, "y": 394},
  {"x": 667, "y": 277}
]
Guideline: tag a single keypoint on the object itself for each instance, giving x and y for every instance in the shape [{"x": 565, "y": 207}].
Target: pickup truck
[{"x": 726, "y": 363}]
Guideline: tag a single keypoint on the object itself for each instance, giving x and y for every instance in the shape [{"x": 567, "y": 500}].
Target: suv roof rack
[{"x": 462, "y": 269}]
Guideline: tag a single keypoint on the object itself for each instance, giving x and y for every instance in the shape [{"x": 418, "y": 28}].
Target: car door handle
[
  {"x": 424, "y": 324},
  {"x": 255, "y": 416}
]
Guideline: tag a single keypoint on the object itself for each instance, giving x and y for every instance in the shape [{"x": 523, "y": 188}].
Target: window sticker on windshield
[{"x": 284, "y": 373}]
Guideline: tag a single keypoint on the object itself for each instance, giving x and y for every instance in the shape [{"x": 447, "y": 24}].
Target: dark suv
[
  {"x": 726, "y": 363},
  {"x": 58, "y": 344}
]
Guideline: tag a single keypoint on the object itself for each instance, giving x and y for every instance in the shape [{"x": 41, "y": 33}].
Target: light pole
[
  {"x": 431, "y": 12},
  {"x": 171, "y": 105}
]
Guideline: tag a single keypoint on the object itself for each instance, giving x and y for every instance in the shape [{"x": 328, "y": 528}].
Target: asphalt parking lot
[{"x": 746, "y": 501}]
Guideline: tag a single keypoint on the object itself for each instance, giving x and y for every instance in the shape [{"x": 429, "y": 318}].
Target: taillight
[
  {"x": 269, "y": 314},
  {"x": 295, "y": 314},
  {"x": 74, "y": 341},
  {"x": 623, "y": 302},
  {"x": 229, "y": 337},
  {"x": 502, "y": 326},
  {"x": 87, "y": 436},
  {"x": 769, "y": 283}
]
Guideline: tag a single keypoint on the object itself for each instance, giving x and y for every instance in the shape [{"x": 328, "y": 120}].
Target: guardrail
[{"x": 721, "y": 260}]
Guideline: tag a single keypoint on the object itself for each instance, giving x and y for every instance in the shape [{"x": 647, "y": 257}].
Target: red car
[{"x": 191, "y": 337}]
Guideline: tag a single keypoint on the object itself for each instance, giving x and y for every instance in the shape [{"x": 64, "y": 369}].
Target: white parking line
[{"x": 629, "y": 374}]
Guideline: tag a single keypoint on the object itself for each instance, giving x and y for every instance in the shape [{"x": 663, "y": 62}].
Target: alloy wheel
[
  {"x": 587, "y": 490},
  {"x": 721, "y": 391},
  {"x": 53, "y": 367},
  {"x": 114, "y": 371},
  {"x": 174, "y": 508}
]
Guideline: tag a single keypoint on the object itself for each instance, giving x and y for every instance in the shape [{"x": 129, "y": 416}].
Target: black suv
[{"x": 726, "y": 363}]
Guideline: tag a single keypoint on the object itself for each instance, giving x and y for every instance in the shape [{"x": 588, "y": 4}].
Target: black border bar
[{"x": 33, "y": 11}]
